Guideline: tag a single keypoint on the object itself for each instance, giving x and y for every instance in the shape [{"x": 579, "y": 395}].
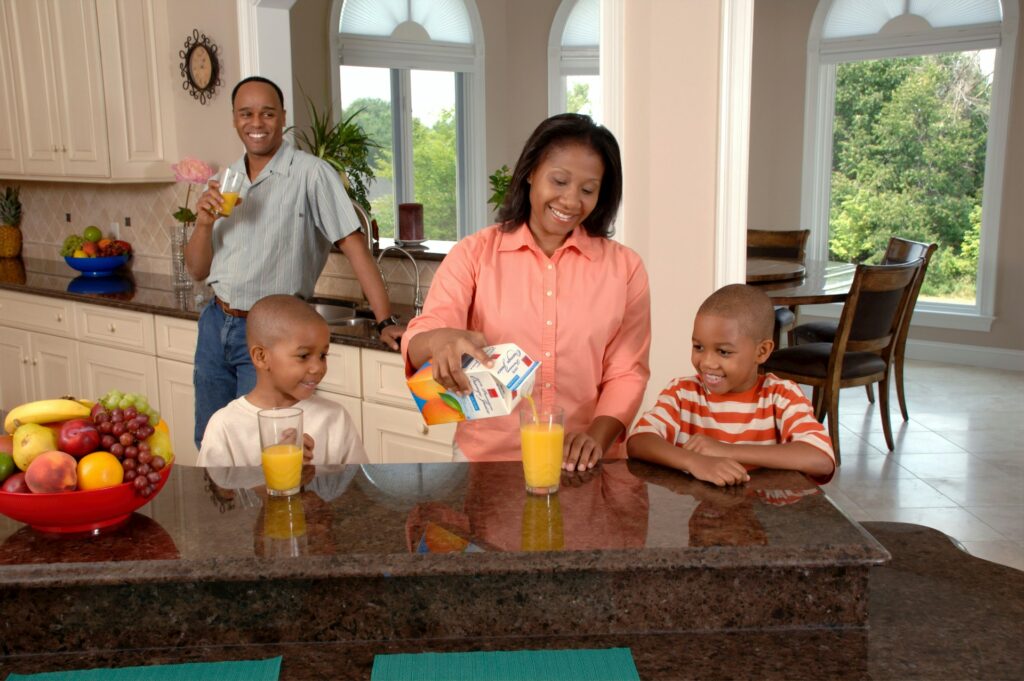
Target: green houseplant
[
  {"x": 344, "y": 145},
  {"x": 499, "y": 181}
]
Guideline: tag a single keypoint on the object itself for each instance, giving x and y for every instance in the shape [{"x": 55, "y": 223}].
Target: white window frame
[
  {"x": 819, "y": 105},
  {"x": 467, "y": 61},
  {"x": 567, "y": 61}
]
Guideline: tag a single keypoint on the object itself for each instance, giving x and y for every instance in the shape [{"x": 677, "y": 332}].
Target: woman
[{"x": 548, "y": 278}]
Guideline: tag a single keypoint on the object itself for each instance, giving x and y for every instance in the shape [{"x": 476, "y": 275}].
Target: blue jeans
[{"x": 223, "y": 369}]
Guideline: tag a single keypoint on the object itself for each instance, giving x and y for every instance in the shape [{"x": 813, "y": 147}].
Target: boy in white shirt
[{"x": 288, "y": 342}]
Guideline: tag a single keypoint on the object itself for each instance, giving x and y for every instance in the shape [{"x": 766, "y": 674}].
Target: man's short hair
[
  {"x": 258, "y": 79},
  {"x": 748, "y": 305},
  {"x": 272, "y": 318}
]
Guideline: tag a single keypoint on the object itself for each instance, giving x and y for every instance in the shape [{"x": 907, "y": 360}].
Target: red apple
[
  {"x": 16, "y": 484},
  {"x": 91, "y": 249},
  {"x": 7, "y": 444},
  {"x": 78, "y": 437}
]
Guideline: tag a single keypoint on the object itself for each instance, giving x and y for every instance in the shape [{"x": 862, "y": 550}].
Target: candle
[{"x": 410, "y": 222}]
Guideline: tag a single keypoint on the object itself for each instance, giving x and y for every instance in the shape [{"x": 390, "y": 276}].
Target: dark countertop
[
  {"x": 151, "y": 293},
  {"x": 933, "y": 612}
]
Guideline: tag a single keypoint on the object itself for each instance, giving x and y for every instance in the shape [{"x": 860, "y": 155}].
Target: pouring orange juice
[
  {"x": 281, "y": 445},
  {"x": 542, "y": 434}
]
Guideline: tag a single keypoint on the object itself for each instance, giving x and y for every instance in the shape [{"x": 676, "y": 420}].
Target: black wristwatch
[{"x": 390, "y": 320}]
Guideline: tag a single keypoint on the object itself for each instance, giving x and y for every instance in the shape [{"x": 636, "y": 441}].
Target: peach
[
  {"x": 52, "y": 471},
  {"x": 437, "y": 411}
]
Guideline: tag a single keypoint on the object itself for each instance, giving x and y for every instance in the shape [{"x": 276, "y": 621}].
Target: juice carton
[{"x": 496, "y": 390}]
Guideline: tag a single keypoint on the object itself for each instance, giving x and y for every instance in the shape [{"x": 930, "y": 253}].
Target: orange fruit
[
  {"x": 437, "y": 411},
  {"x": 99, "y": 470},
  {"x": 162, "y": 427}
]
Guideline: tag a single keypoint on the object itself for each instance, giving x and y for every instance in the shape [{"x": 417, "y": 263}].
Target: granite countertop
[
  {"x": 932, "y": 611},
  {"x": 362, "y": 520},
  {"x": 154, "y": 294}
]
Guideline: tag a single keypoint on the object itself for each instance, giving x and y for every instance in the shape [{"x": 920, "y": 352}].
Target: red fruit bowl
[{"x": 76, "y": 512}]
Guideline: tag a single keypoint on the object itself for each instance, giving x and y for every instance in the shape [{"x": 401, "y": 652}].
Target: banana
[{"x": 45, "y": 411}]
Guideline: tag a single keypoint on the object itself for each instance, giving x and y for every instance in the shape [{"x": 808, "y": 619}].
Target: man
[{"x": 292, "y": 207}]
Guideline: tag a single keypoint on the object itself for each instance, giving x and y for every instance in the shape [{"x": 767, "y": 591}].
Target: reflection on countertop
[{"x": 152, "y": 293}]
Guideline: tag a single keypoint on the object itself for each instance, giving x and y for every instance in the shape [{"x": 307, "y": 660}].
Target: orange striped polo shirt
[{"x": 774, "y": 411}]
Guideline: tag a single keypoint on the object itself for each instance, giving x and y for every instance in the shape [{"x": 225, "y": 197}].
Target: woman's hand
[
  {"x": 581, "y": 452},
  {"x": 447, "y": 346}
]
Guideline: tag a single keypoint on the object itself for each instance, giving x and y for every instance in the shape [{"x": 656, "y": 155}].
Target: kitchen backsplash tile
[{"x": 149, "y": 206}]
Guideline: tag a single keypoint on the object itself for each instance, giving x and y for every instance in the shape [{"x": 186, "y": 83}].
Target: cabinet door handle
[
  {"x": 55, "y": 148},
  {"x": 113, "y": 329},
  {"x": 64, "y": 149},
  {"x": 424, "y": 429},
  {"x": 35, "y": 361},
  {"x": 60, "y": 317},
  {"x": 24, "y": 360}
]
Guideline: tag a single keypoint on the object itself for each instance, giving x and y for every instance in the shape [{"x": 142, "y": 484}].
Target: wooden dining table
[{"x": 812, "y": 282}]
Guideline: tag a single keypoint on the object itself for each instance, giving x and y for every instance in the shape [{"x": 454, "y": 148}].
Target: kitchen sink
[{"x": 337, "y": 312}]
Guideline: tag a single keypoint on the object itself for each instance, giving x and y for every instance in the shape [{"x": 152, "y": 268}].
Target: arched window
[
  {"x": 574, "y": 82},
  {"x": 414, "y": 71},
  {"x": 906, "y": 123}
]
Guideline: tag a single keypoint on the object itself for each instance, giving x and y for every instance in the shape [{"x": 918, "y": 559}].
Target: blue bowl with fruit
[{"x": 97, "y": 267}]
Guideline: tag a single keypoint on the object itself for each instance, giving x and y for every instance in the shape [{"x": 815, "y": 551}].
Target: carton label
[{"x": 495, "y": 391}]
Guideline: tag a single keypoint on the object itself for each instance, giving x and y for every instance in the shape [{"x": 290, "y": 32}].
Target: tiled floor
[{"x": 958, "y": 465}]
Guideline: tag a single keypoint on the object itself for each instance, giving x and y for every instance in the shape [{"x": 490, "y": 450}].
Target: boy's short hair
[
  {"x": 748, "y": 305},
  {"x": 272, "y": 317}
]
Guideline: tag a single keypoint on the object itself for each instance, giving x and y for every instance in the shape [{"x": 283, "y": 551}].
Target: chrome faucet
[{"x": 417, "y": 296}]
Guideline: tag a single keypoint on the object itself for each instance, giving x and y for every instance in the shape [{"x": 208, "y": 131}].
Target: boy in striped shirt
[{"x": 727, "y": 419}]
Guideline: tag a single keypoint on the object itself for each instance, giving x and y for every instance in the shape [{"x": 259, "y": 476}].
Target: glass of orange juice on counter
[
  {"x": 281, "y": 444},
  {"x": 542, "y": 432},
  {"x": 230, "y": 186}
]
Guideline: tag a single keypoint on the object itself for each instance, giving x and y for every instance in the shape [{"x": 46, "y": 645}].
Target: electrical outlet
[
  {"x": 127, "y": 221},
  {"x": 115, "y": 230},
  {"x": 67, "y": 217}
]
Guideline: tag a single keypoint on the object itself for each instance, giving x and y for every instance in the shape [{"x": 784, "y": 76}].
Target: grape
[
  {"x": 117, "y": 416},
  {"x": 128, "y": 464},
  {"x": 153, "y": 476},
  {"x": 141, "y": 482},
  {"x": 117, "y": 449},
  {"x": 127, "y": 439},
  {"x": 124, "y": 403},
  {"x": 129, "y": 475},
  {"x": 143, "y": 468},
  {"x": 154, "y": 417},
  {"x": 142, "y": 405},
  {"x": 143, "y": 447},
  {"x": 149, "y": 490},
  {"x": 105, "y": 427},
  {"x": 130, "y": 413},
  {"x": 142, "y": 419},
  {"x": 108, "y": 441},
  {"x": 145, "y": 457},
  {"x": 118, "y": 429},
  {"x": 131, "y": 451},
  {"x": 157, "y": 463},
  {"x": 144, "y": 432},
  {"x": 101, "y": 417}
]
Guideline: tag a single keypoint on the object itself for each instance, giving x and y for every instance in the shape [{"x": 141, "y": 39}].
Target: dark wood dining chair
[
  {"x": 898, "y": 251},
  {"x": 861, "y": 353},
  {"x": 786, "y": 244}
]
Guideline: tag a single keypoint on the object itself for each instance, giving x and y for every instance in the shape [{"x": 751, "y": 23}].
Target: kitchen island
[{"x": 768, "y": 580}]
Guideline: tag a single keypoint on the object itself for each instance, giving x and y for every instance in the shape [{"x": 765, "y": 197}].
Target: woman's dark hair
[
  {"x": 258, "y": 79},
  {"x": 557, "y": 131}
]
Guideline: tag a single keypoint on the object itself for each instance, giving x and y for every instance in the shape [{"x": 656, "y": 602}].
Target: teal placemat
[
  {"x": 242, "y": 670},
  {"x": 611, "y": 664}
]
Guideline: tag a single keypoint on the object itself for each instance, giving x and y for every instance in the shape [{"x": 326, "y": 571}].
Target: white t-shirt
[{"x": 232, "y": 436}]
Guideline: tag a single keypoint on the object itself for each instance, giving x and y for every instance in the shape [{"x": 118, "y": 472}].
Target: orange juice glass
[
  {"x": 542, "y": 435},
  {"x": 281, "y": 444},
  {"x": 230, "y": 185}
]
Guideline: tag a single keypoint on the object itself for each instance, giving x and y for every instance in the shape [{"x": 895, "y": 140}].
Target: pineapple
[
  {"x": 12, "y": 271},
  {"x": 10, "y": 218}
]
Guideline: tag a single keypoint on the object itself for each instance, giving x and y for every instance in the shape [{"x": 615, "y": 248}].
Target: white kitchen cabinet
[
  {"x": 353, "y": 405},
  {"x": 176, "y": 338},
  {"x": 178, "y": 407},
  {"x": 58, "y": 82},
  {"x": 89, "y": 91},
  {"x": 343, "y": 371},
  {"x": 36, "y": 366},
  {"x": 140, "y": 122},
  {"x": 395, "y": 435},
  {"x": 104, "y": 369},
  {"x": 114, "y": 327},
  {"x": 393, "y": 428},
  {"x": 10, "y": 134},
  {"x": 37, "y": 313}
]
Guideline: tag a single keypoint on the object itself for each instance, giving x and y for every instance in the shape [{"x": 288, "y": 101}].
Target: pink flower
[{"x": 192, "y": 170}]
